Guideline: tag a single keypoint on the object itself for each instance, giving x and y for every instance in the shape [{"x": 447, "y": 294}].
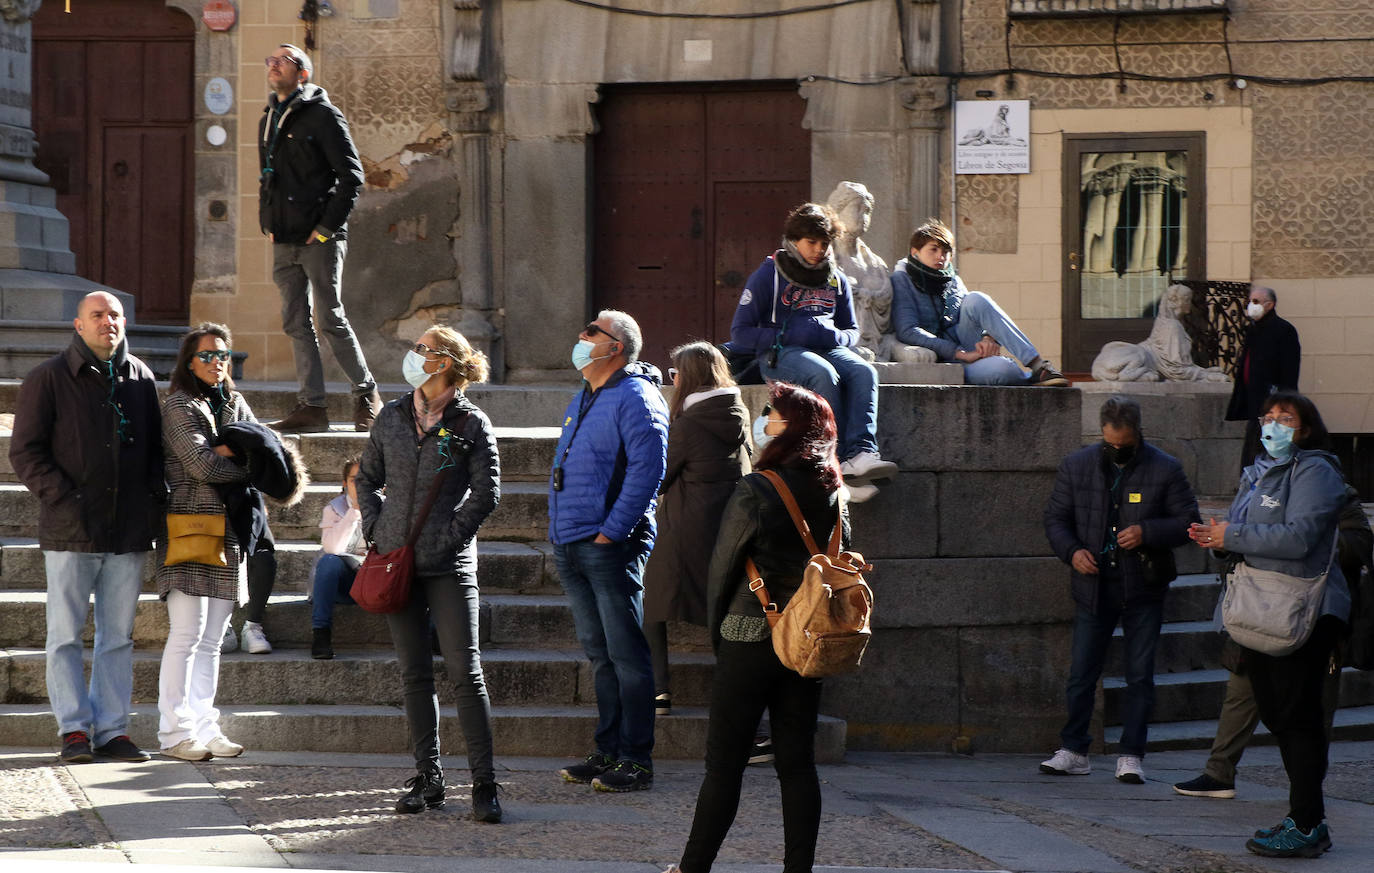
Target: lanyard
[{"x": 583, "y": 407}]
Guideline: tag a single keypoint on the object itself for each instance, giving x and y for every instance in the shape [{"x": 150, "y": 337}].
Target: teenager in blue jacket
[{"x": 797, "y": 315}]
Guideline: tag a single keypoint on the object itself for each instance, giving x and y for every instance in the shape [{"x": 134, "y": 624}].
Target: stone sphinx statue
[
  {"x": 1165, "y": 356},
  {"x": 870, "y": 277}
]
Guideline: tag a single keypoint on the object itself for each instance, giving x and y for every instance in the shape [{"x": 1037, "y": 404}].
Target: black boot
[
  {"x": 426, "y": 790},
  {"x": 322, "y": 644},
  {"x": 485, "y": 806}
]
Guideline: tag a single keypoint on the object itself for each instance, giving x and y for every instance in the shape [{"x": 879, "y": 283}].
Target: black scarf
[
  {"x": 935, "y": 283},
  {"x": 215, "y": 395},
  {"x": 798, "y": 272}
]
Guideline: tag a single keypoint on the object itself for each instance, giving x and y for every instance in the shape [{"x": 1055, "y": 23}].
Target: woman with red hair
[{"x": 798, "y": 443}]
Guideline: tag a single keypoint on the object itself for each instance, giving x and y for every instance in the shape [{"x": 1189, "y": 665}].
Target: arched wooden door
[{"x": 113, "y": 108}]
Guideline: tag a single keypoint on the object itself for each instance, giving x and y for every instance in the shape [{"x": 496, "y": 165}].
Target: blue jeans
[
  {"x": 1140, "y": 623},
  {"x": 102, "y": 708},
  {"x": 606, "y": 593},
  {"x": 846, "y": 381},
  {"x": 333, "y": 579},
  {"x": 980, "y": 313}
]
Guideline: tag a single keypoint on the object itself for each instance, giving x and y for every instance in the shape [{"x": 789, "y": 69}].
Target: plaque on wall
[
  {"x": 993, "y": 136},
  {"x": 219, "y": 15}
]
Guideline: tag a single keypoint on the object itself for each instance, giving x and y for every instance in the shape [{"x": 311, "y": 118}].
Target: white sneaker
[
  {"x": 1066, "y": 763},
  {"x": 866, "y": 466},
  {"x": 1128, "y": 770},
  {"x": 230, "y": 642},
  {"x": 223, "y": 747},
  {"x": 858, "y": 492},
  {"x": 188, "y": 750},
  {"x": 254, "y": 640}
]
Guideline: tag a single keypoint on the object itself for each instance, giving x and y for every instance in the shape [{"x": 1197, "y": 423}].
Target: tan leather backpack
[{"x": 825, "y": 627}]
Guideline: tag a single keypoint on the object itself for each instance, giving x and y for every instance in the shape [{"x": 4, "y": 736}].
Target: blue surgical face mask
[
  {"x": 582, "y": 354},
  {"x": 761, "y": 438},
  {"x": 1277, "y": 439},
  {"x": 413, "y": 368}
]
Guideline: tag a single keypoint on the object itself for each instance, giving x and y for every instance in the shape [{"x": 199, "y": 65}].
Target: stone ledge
[{"x": 1046, "y": 8}]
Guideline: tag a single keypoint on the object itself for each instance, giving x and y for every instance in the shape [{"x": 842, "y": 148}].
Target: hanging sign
[
  {"x": 219, "y": 14},
  {"x": 993, "y": 136}
]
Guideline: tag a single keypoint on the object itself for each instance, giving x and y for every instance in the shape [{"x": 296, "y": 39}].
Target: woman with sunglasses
[
  {"x": 799, "y": 444},
  {"x": 200, "y": 596},
  {"x": 436, "y": 431},
  {"x": 708, "y": 452},
  {"x": 1284, "y": 518}
]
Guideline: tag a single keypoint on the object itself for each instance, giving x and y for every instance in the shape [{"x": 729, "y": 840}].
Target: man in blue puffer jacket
[{"x": 603, "y": 489}]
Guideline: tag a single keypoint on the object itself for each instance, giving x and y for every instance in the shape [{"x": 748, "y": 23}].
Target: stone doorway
[
  {"x": 114, "y": 116},
  {"x": 691, "y": 185}
]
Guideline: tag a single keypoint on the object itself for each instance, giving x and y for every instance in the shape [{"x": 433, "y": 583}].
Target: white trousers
[{"x": 190, "y": 668}]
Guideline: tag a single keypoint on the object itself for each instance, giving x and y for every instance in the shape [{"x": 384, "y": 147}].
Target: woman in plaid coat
[{"x": 200, "y": 597}]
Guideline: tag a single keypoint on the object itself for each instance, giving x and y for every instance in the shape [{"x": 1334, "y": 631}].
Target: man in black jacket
[
  {"x": 310, "y": 180},
  {"x": 88, "y": 444},
  {"x": 1269, "y": 362},
  {"x": 1118, "y": 509}
]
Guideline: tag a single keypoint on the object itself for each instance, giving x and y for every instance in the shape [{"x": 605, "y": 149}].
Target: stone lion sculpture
[{"x": 1165, "y": 356}]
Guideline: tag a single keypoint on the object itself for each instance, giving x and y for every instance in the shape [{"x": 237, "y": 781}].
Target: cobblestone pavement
[{"x": 881, "y": 812}]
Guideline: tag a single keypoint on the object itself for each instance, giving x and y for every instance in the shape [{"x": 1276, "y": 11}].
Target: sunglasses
[
  {"x": 277, "y": 62},
  {"x": 212, "y": 356},
  {"x": 767, "y": 408},
  {"x": 672, "y": 374},
  {"x": 422, "y": 349},
  {"x": 593, "y": 329}
]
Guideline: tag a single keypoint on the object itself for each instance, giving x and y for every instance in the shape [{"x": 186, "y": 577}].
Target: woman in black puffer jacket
[
  {"x": 799, "y": 444},
  {"x": 436, "y": 428}
]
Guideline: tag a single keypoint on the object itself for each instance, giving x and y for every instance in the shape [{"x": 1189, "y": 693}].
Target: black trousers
[
  {"x": 1289, "y": 692},
  {"x": 748, "y": 679},
  {"x": 262, "y": 578}
]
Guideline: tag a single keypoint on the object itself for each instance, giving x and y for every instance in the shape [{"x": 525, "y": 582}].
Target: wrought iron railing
[{"x": 1217, "y": 322}]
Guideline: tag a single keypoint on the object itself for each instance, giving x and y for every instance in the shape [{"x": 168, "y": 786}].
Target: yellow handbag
[{"x": 195, "y": 538}]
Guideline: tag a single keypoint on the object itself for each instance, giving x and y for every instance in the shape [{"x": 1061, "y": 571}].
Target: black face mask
[{"x": 1118, "y": 455}]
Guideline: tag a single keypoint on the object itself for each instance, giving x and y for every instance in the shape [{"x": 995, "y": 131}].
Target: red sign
[{"x": 219, "y": 14}]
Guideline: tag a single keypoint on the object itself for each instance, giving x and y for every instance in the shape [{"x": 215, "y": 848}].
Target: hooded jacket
[
  {"x": 775, "y": 309},
  {"x": 274, "y": 469},
  {"x": 398, "y": 467},
  {"x": 1155, "y": 494},
  {"x": 1290, "y": 523},
  {"x": 95, "y": 493},
  {"x": 311, "y": 174},
  {"x": 612, "y": 456}
]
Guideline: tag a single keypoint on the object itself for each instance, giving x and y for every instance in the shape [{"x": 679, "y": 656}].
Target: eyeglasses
[
  {"x": 274, "y": 61},
  {"x": 210, "y": 357},
  {"x": 768, "y": 408},
  {"x": 422, "y": 349},
  {"x": 593, "y": 329},
  {"x": 1285, "y": 420}
]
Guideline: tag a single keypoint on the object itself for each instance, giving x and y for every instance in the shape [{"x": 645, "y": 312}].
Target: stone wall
[{"x": 971, "y": 638}]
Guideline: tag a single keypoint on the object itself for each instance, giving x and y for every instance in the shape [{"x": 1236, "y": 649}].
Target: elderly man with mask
[
  {"x": 603, "y": 488},
  {"x": 1269, "y": 361}
]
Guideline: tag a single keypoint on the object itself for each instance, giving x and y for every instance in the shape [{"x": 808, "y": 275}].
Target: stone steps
[
  {"x": 504, "y": 620},
  {"x": 503, "y": 567},
  {"x": 1179, "y": 695},
  {"x": 1354, "y": 723},
  {"x": 555, "y": 731},
  {"x": 521, "y": 516},
  {"x": 515, "y": 676}
]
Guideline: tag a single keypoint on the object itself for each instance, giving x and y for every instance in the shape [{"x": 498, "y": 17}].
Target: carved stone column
[
  {"x": 926, "y": 101},
  {"x": 473, "y": 75}
]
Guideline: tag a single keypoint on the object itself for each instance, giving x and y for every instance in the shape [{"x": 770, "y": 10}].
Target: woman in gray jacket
[
  {"x": 436, "y": 430},
  {"x": 1284, "y": 519}
]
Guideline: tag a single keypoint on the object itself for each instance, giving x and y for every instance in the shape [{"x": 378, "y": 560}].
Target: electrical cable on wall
[{"x": 772, "y": 13}]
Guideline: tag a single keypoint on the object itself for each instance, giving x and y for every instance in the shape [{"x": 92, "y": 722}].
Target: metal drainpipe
[{"x": 953, "y": 165}]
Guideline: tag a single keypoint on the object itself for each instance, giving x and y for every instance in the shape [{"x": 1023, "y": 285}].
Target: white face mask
[
  {"x": 761, "y": 436},
  {"x": 413, "y": 368},
  {"x": 1255, "y": 311}
]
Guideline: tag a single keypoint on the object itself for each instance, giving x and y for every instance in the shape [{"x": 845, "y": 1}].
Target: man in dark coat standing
[
  {"x": 88, "y": 444},
  {"x": 310, "y": 180},
  {"x": 1117, "y": 511},
  {"x": 1269, "y": 361}
]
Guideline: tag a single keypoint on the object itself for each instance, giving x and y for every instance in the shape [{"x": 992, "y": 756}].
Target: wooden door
[
  {"x": 691, "y": 189},
  {"x": 113, "y": 109}
]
